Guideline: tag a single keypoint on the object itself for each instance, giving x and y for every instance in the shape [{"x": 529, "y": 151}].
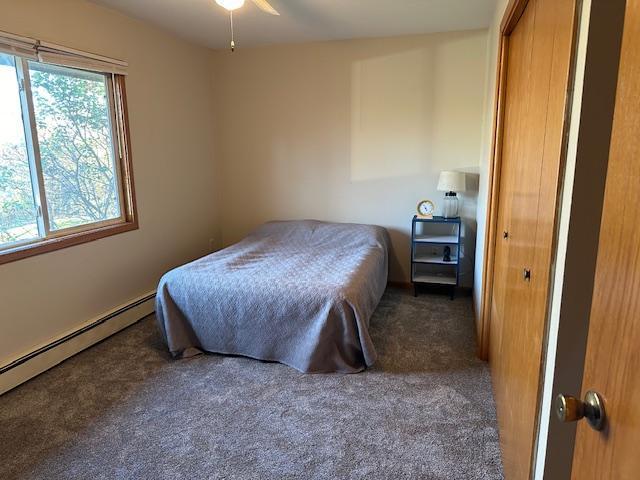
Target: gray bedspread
[{"x": 299, "y": 292}]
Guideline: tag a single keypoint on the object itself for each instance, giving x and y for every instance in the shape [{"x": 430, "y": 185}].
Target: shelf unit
[
  {"x": 429, "y": 237},
  {"x": 436, "y": 239}
]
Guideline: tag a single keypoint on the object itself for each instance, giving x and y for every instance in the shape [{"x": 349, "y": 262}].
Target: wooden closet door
[
  {"x": 518, "y": 63},
  {"x": 538, "y": 64}
]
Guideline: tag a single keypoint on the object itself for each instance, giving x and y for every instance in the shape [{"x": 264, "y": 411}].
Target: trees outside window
[
  {"x": 76, "y": 147},
  {"x": 61, "y": 146}
]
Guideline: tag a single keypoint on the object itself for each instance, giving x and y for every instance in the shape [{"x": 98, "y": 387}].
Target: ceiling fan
[{"x": 232, "y": 5}]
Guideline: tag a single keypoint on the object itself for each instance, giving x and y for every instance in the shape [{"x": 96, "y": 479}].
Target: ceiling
[{"x": 205, "y": 23}]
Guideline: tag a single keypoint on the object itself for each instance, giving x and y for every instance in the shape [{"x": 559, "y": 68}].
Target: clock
[{"x": 426, "y": 209}]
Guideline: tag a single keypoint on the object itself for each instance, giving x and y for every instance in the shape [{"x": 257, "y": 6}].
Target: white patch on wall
[{"x": 391, "y": 97}]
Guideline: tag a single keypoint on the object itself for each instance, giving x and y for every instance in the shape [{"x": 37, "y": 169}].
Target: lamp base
[{"x": 450, "y": 205}]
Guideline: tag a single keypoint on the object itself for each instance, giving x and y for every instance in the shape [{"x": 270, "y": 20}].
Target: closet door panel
[{"x": 539, "y": 58}]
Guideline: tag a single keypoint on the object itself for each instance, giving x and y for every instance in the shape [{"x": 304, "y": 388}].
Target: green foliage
[
  {"x": 74, "y": 135},
  {"x": 16, "y": 197},
  {"x": 75, "y": 146}
]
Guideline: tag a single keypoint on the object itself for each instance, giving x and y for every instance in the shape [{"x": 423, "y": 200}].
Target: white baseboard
[{"x": 58, "y": 349}]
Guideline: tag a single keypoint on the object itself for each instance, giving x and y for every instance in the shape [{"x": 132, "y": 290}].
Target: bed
[{"x": 296, "y": 292}]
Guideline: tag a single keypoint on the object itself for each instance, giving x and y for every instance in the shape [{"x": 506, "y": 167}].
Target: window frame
[{"x": 52, "y": 240}]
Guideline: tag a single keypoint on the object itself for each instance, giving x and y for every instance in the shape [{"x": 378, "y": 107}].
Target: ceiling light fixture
[{"x": 232, "y": 5}]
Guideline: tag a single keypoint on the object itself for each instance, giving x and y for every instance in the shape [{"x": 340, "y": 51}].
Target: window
[{"x": 65, "y": 172}]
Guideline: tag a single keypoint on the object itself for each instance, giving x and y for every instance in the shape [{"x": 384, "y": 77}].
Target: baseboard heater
[{"x": 61, "y": 348}]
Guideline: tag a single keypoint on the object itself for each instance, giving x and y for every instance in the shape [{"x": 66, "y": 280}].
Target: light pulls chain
[{"x": 233, "y": 43}]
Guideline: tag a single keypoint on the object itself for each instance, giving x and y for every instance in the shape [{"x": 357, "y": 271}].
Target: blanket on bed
[{"x": 299, "y": 292}]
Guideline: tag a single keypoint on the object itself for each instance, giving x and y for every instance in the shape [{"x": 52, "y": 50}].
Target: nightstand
[{"x": 430, "y": 238}]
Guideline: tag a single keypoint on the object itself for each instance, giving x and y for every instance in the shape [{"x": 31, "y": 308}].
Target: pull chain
[{"x": 233, "y": 44}]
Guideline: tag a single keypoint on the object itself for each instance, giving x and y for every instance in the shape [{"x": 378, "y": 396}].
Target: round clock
[{"x": 426, "y": 208}]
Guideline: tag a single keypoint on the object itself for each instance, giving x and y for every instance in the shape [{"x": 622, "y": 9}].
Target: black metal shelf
[{"x": 430, "y": 267}]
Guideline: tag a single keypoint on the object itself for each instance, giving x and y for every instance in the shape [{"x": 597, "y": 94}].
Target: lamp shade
[{"x": 452, "y": 182}]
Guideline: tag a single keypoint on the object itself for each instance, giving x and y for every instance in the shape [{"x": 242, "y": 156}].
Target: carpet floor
[{"x": 124, "y": 410}]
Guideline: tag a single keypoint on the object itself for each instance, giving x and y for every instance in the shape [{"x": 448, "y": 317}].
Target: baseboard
[{"x": 57, "y": 350}]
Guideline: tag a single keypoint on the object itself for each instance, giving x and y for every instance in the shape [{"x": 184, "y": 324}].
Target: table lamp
[{"x": 451, "y": 183}]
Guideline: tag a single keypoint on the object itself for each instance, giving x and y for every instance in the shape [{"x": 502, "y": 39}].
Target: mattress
[{"x": 296, "y": 292}]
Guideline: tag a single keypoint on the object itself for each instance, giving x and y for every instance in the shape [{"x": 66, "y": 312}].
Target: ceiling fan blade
[{"x": 265, "y": 7}]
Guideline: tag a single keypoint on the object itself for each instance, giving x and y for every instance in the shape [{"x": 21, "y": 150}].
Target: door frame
[
  {"x": 568, "y": 327},
  {"x": 513, "y": 12},
  {"x": 512, "y": 15}
]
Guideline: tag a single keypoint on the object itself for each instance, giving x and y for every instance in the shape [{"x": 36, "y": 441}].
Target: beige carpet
[{"x": 124, "y": 410}]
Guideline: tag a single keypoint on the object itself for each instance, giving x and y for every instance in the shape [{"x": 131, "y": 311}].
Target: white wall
[
  {"x": 486, "y": 156},
  {"x": 353, "y": 131},
  {"x": 170, "y": 110}
]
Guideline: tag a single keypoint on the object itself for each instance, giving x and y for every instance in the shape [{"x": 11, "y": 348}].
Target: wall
[
  {"x": 170, "y": 109},
  {"x": 351, "y": 131},
  {"x": 486, "y": 156}
]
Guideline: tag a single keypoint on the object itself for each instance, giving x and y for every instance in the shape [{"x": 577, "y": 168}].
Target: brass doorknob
[{"x": 571, "y": 409}]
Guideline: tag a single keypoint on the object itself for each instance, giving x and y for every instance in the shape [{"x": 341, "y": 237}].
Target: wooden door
[
  {"x": 538, "y": 62},
  {"x": 612, "y": 364}
]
